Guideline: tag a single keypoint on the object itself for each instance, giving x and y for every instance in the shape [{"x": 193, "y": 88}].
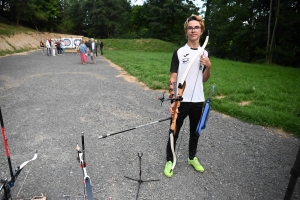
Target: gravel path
[{"x": 48, "y": 101}]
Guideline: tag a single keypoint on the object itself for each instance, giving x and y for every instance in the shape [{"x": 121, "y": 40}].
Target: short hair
[{"x": 196, "y": 18}]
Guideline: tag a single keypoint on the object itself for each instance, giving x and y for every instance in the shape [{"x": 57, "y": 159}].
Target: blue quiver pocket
[{"x": 204, "y": 117}]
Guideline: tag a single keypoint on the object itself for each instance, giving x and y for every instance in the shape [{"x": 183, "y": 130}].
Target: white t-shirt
[{"x": 182, "y": 57}]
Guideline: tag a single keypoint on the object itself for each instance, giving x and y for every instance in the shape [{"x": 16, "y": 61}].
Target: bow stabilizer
[{"x": 140, "y": 126}]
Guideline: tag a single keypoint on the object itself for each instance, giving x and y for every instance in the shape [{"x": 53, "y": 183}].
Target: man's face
[{"x": 193, "y": 31}]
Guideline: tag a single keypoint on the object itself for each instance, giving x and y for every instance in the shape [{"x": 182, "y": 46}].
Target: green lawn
[{"x": 271, "y": 93}]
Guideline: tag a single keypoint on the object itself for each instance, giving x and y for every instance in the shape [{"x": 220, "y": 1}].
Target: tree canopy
[{"x": 250, "y": 31}]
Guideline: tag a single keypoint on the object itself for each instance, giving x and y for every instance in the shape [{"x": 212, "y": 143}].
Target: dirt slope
[{"x": 27, "y": 41}]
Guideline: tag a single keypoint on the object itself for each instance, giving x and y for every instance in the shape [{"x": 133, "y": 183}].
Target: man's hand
[
  {"x": 204, "y": 60},
  {"x": 171, "y": 108}
]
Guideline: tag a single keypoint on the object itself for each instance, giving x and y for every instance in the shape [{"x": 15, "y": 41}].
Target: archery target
[{"x": 67, "y": 42}]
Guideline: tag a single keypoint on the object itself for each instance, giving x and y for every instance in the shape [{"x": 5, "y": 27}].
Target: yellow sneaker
[
  {"x": 167, "y": 170},
  {"x": 195, "y": 163}
]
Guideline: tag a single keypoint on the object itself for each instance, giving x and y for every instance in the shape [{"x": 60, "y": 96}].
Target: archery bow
[
  {"x": 86, "y": 178},
  {"x": 180, "y": 90},
  {"x": 14, "y": 175}
]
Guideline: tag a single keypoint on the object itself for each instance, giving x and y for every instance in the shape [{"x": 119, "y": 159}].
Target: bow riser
[{"x": 175, "y": 108}]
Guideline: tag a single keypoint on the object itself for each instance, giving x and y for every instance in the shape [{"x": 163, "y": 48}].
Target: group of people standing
[
  {"x": 89, "y": 48},
  {"x": 51, "y": 45},
  {"x": 83, "y": 47}
]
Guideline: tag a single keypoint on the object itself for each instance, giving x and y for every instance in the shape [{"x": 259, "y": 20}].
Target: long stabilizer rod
[{"x": 110, "y": 134}]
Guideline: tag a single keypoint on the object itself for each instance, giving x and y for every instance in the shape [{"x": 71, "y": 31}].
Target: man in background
[
  {"x": 101, "y": 47},
  {"x": 93, "y": 50}
]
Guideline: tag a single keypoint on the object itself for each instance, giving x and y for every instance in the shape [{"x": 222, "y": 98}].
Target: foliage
[{"x": 239, "y": 30}]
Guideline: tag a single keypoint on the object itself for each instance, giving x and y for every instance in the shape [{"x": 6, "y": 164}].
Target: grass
[
  {"x": 270, "y": 93},
  {"x": 8, "y": 28},
  {"x": 146, "y": 45}
]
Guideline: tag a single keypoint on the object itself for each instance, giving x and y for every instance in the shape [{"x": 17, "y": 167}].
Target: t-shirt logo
[{"x": 185, "y": 59}]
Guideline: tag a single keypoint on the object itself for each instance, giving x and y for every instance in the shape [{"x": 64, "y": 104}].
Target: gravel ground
[{"x": 47, "y": 102}]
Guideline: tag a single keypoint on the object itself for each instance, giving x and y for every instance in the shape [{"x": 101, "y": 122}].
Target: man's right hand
[{"x": 171, "y": 110}]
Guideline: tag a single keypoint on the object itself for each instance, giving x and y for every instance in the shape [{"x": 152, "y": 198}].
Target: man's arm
[{"x": 173, "y": 78}]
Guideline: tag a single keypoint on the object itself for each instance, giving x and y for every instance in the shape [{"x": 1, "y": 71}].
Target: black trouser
[
  {"x": 194, "y": 111},
  {"x": 49, "y": 53},
  {"x": 58, "y": 50}
]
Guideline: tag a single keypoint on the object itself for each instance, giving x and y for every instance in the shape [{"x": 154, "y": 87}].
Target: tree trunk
[
  {"x": 18, "y": 17},
  {"x": 268, "y": 40},
  {"x": 273, "y": 34},
  {"x": 36, "y": 27}
]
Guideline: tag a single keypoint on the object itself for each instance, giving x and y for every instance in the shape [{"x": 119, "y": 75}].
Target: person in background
[
  {"x": 88, "y": 45},
  {"x": 193, "y": 96},
  {"x": 83, "y": 52},
  {"x": 58, "y": 47},
  {"x": 97, "y": 49},
  {"x": 62, "y": 46},
  {"x": 53, "y": 47},
  {"x": 48, "y": 46},
  {"x": 42, "y": 46},
  {"x": 77, "y": 43},
  {"x": 93, "y": 51},
  {"x": 101, "y": 47}
]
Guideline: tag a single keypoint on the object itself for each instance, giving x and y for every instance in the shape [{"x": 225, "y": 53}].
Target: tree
[
  {"x": 240, "y": 29},
  {"x": 164, "y": 19}
]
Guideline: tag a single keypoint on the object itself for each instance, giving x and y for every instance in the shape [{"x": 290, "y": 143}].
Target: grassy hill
[
  {"x": 8, "y": 28},
  {"x": 146, "y": 45}
]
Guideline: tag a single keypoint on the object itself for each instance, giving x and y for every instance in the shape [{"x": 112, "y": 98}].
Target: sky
[
  {"x": 198, "y": 3},
  {"x": 140, "y": 2}
]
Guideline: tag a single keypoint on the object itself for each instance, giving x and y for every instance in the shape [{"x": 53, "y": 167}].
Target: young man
[
  {"x": 93, "y": 50},
  {"x": 193, "y": 95}
]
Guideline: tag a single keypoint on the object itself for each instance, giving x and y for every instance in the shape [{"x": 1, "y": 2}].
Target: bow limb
[
  {"x": 26, "y": 162},
  {"x": 173, "y": 127},
  {"x": 173, "y": 151},
  {"x": 19, "y": 169}
]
